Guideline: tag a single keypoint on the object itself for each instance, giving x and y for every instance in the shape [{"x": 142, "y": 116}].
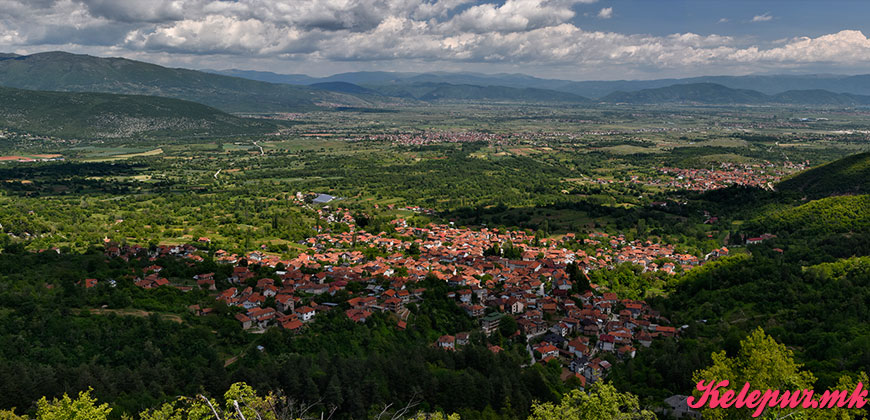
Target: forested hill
[
  {"x": 807, "y": 283},
  {"x": 850, "y": 175},
  {"x": 103, "y": 115},
  {"x": 59, "y": 71}
]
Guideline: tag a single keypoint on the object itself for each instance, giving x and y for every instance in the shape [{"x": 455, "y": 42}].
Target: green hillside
[
  {"x": 59, "y": 71},
  {"x": 826, "y": 215},
  {"x": 103, "y": 115},
  {"x": 850, "y": 175}
]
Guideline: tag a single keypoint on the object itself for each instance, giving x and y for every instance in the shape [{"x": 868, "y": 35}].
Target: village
[
  {"x": 492, "y": 274},
  {"x": 762, "y": 176},
  {"x": 756, "y": 175}
]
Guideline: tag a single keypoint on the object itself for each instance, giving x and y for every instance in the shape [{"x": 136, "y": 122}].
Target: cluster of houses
[
  {"x": 575, "y": 329},
  {"x": 32, "y": 158},
  {"x": 754, "y": 175},
  {"x": 434, "y": 137},
  {"x": 296, "y": 288},
  {"x": 532, "y": 286}
]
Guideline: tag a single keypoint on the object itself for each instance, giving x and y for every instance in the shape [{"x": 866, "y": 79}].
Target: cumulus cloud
[
  {"x": 456, "y": 32},
  {"x": 762, "y": 18},
  {"x": 512, "y": 16},
  {"x": 139, "y": 10}
]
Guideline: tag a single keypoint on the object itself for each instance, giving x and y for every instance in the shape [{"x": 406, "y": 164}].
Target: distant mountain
[
  {"x": 272, "y": 92},
  {"x": 267, "y": 76},
  {"x": 419, "y": 86},
  {"x": 344, "y": 87},
  {"x": 714, "y": 94},
  {"x": 767, "y": 84},
  {"x": 702, "y": 93},
  {"x": 103, "y": 115},
  {"x": 820, "y": 97},
  {"x": 59, "y": 71},
  {"x": 369, "y": 77},
  {"x": 850, "y": 175},
  {"x": 430, "y": 92},
  {"x": 360, "y": 77}
]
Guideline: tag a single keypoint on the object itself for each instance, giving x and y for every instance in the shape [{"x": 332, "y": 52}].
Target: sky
[{"x": 564, "y": 39}]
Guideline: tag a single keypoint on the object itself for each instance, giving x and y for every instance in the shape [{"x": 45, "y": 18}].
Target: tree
[
  {"x": 602, "y": 402},
  {"x": 435, "y": 416},
  {"x": 507, "y": 325},
  {"x": 82, "y": 408},
  {"x": 764, "y": 364},
  {"x": 578, "y": 278},
  {"x": 414, "y": 250},
  {"x": 10, "y": 415}
]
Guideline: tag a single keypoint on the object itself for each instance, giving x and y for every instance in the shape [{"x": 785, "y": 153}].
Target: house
[
  {"x": 578, "y": 365},
  {"x": 596, "y": 369},
  {"x": 475, "y": 311},
  {"x": 206, "y": 281},
  {"x": 532, "y": 328},
  {"x": 362, "y": 302},
  {"x": 626, "y": 352},
  {"x": 358, "y": 315},
  {"x": 606, "y": 342},
  {"x": 293, "y": 325},
  {"x": 305, "y": 313},
  {"x": 515, "y": 306},
  {"x": 462, "y": 338},
  {"x": 666, "y": 331},
  {"x": 262, "y": 316},
  {"x": 447, "y": 342},
  {"x": 547, "y": 350},
  {"x": 284, "y": 302},
  {"x": 644, "y": 338},
  {"x": 464, "y": 295},
  {"x": 490, "y": 323},
  {"x": 579, "y": 346},
  {"x": 393, "y": 304},
  {"x": 246, "y": 322},
  {"x": 679, "y": 408}
]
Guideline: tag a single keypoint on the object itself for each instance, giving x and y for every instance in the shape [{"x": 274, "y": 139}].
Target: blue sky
[
  {"x": 569, "y": 39},
  {"x": 789, "y": 18}
]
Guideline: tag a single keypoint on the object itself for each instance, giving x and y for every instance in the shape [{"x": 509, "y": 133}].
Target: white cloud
[
  {"x": 513, "y": 34},
  {"x": 723, "y": 20},
  {"x": 512, "y": 16},
  {"x": 762, "y": 18}
]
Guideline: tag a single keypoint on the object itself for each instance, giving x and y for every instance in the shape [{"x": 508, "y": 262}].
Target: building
[{"x": 490, "y": 323}]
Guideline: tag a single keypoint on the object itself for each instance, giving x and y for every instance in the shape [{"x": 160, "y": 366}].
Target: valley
[{"x": 480, "y": 252}]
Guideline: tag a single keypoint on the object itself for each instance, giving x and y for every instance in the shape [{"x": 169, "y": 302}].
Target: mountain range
[
  {"x": 60, "y": 71},
  {"x": 712, "y": 94},
  {"x": 104, "y": 115},
  {"x": 767, "y": 84},
  {"x": 253, "y": 91}
]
